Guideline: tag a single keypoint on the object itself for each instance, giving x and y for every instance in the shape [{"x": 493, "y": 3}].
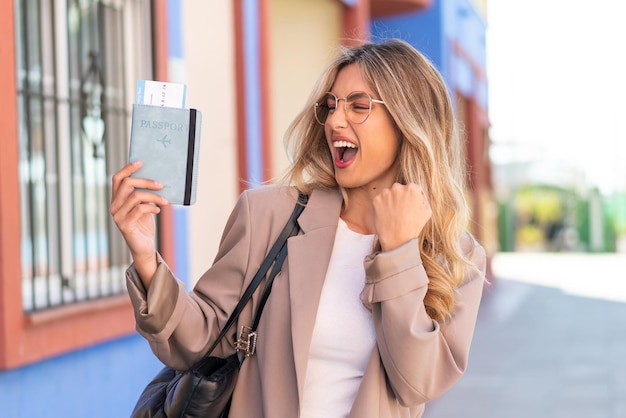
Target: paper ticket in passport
[{"x": 160, "y": 93}]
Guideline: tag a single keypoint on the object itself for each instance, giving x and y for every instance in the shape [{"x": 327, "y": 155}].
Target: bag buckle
[{"x": 246, "y": 341}]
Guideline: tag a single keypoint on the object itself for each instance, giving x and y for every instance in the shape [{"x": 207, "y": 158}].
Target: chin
[{"x": 345, "y": 183}]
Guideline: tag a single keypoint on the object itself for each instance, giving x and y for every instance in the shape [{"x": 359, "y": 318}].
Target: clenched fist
[{"x": 400, "y": 214}]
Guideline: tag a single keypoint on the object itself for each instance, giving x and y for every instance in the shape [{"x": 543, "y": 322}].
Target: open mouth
[{"x": 346, "y": 151}]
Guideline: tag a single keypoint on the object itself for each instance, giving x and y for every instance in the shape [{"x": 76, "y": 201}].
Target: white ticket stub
[{"x": 160, "y": 93}]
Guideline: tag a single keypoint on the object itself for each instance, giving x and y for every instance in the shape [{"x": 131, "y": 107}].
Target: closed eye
[{"x": 360, "y": 107}]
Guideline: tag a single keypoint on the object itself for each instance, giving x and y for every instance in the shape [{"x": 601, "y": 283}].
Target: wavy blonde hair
[{"x": 431, "y": 153}]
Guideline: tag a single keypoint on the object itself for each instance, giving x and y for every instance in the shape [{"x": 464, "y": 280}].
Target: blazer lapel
[{"x": 309, "y": 255}]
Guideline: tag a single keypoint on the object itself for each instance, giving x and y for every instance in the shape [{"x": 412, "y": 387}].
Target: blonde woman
[{"x": 374, "y": 310}]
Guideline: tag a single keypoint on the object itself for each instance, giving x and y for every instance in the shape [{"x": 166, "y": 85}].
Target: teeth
[{"x": 343, "y": 144}]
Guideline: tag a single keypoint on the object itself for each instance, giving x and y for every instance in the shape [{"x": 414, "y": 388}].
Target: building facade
[{"x": 68, "y": 70}]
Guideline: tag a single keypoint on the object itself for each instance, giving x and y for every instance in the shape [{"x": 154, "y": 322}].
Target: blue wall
[
  {"x": 422, "y": 29},
  {"x": 434, "y": 30},
  {"x": 103, "y": 381}
]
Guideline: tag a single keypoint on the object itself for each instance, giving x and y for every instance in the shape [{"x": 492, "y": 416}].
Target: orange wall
[{"x": 9, "y": 202}]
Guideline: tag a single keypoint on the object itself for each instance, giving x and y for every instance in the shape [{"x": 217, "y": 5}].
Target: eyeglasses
[{"x": 357, "y": 105}]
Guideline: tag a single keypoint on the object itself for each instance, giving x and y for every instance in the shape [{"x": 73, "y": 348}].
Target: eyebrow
[{"x": 360, "y": 92}]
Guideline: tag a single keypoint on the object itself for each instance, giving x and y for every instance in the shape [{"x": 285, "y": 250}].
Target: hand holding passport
[{"x": 165, "y": 137}]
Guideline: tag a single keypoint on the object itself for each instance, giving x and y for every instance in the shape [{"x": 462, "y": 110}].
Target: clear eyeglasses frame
[{"x": 357, "y": 106}]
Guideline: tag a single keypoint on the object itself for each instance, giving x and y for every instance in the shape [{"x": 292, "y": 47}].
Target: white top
[{"x": 343, "y": 336}]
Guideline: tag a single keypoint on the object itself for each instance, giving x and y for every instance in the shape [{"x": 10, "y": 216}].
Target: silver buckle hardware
[{"x": 246, "y": 341}]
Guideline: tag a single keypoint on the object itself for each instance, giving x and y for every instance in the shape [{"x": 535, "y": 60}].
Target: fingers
[
  {"x": 131, "y": 218},
  {"x": 123, "y": 173},
  {"x": 131, "y": 198},
  {"x": 129, "y": 201},
  {"x": 124, "y": 186},
  {"x": 411, "y": 194},
  {"x": 138, "y": 202},
  {"x": 135, "y": 220},
  {"x": 400, "y": 214},
  {"x": 419, "y": 196},
  {"x": 418, "y": 192}
]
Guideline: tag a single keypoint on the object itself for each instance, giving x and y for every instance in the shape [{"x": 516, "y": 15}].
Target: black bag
[
  {"x": 202, "y": 391},
  {"x": 205, "y": 390}
]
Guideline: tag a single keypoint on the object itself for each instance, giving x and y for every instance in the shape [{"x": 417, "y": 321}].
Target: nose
[{"x": 339, "y": 117}]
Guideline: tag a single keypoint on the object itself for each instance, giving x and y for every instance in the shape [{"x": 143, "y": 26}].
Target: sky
[{"x": 557, "y": 88}]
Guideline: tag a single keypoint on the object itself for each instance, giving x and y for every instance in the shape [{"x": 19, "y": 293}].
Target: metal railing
[{"x": 71, "y": 251}]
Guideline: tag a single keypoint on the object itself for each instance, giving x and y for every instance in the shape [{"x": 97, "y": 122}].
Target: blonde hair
[{"x": 431, "y": 153}]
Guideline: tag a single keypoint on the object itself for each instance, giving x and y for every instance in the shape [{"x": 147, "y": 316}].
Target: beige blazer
[{"x": 415, "y": 359}]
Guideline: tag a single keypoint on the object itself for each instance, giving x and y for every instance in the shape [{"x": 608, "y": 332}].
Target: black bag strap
[
  {"x": 280, "y": 258},
  {"x": 276, "y": 255}
]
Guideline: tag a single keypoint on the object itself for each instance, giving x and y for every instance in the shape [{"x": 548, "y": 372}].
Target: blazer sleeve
[
  {"x": 422, "y": 358},
  {"x": 181, "y": 326}
]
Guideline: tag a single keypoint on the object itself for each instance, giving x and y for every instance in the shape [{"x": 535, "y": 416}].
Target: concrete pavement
[{"x": 550, "y": 341}]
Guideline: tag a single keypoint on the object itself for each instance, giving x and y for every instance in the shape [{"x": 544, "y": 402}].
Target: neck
[{"x": 358, "y": 212}]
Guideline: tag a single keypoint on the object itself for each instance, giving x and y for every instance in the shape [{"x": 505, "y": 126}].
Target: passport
[{"x": 167, "y": 141}]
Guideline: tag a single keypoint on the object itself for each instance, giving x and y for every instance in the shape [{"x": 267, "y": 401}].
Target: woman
[{"x": 374, "y": 310}]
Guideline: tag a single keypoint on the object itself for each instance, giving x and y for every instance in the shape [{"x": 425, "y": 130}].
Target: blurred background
[
  {"x": 537, "y": 87},
  {"x": 550, "y": 336},
  {"x": 557, "y": 139}
]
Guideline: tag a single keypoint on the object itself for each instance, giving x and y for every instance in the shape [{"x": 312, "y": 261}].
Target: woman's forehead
[{"x": 350, "y": 79}]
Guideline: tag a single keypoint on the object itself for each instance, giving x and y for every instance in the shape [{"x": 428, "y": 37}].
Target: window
[{"x": 77, "y": 64}]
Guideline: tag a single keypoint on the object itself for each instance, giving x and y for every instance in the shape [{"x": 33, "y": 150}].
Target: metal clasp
[{"x": 246, "y": 341}]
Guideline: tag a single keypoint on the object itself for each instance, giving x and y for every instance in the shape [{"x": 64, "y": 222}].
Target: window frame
[{"x": 27, "y": 338}]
